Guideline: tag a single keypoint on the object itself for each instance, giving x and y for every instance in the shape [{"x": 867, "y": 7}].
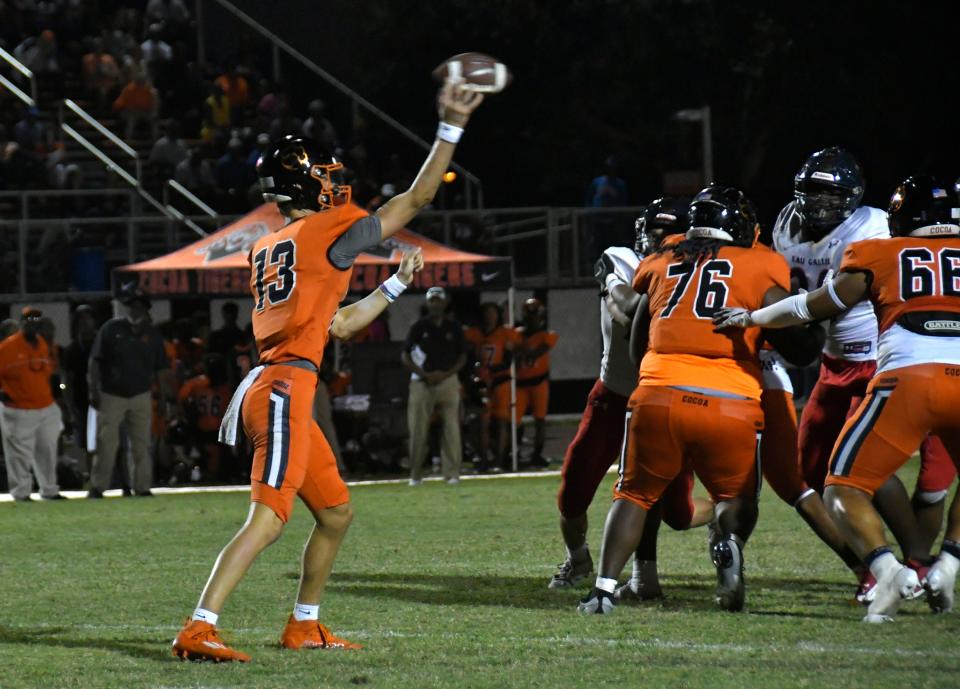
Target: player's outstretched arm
[
  {"x": 456, "y": 104},
  {"x": 835, "y": 297},
  {"x": 350, "y": 320}
]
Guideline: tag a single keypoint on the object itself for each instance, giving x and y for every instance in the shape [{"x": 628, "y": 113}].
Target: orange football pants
[
  {"x": 536, "y": 398},
  {"x": 717, "y": 436},
  {"x": 901, "y": 407},
  {"x": 290, "y": 454}
]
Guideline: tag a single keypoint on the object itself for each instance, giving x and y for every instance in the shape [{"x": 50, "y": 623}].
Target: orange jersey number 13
[{"x": 275, "y": 288}]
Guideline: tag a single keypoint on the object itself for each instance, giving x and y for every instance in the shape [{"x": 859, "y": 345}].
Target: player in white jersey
[
  {"x": 600, "y": 436},
  {"x": 812, "y": 232}
]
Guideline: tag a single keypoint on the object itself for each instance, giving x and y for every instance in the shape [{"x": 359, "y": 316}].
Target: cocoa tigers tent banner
[{"x": 217, "y": 264}]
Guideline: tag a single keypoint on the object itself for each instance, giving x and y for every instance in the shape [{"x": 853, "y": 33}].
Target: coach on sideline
[
  {"x": 30, "y": 418},
  {"x": 126, "y": 357},
  {"x": 434, "y": 354}
]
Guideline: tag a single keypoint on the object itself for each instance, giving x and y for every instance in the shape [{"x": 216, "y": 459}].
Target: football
[{"x": 481, "y": 72}]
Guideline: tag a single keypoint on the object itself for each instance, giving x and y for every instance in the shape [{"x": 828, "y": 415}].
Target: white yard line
[
  {"x": 190, "y": 490},
  {"x": 807, "y": 647}
]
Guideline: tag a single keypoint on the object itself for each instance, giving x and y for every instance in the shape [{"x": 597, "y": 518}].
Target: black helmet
[
  {"x": 661, "y": 217},
  {"x": 298, "y": 174},
  {"x": 828, "y": 189},
  {"x": 722, "y": 213},
  {"x": 921, "y": 207}
]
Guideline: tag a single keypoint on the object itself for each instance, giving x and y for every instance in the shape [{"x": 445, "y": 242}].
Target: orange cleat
[
  {"x": 312, "y": 634},
  {"x": 200, "y": 640}
]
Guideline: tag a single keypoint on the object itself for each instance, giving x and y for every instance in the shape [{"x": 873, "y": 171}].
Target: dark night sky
[{"x": 598, "y": 77}]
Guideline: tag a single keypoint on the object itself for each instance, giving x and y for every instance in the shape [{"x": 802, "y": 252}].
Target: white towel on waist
[{"x": 231, "y": 418}]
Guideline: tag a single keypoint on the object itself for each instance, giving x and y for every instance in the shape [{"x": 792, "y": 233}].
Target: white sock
[
  {"x": 579, "y": 554},
  {"x": 605, "y": 584},
  {"x": 948, "y": 562},
  {"x": 303, "y": 612},
  {"x": 205, "y": 616},
  {"x": 883, "y": 564}
]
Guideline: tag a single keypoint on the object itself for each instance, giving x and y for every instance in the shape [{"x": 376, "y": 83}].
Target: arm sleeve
[{"x": 363, "y": 234}]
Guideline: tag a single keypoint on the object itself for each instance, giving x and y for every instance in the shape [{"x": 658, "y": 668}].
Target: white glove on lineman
[{"x": 733, "y": 318}]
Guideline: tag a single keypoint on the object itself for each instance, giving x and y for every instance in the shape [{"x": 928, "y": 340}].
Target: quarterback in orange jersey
[
  {"x": 299, "y": 275},
  {"x": 698, "y": 397},
  {"x": 534, "y": 342},
  {"x": 493, "y": 347},
  {"x": 913, "y": 282}
]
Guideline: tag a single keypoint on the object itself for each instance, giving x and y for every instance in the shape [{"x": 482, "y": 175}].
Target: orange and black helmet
[{"x": 298, "y": 174}]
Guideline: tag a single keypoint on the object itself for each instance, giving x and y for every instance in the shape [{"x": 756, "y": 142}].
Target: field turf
[{"x": 446, "y": 587}]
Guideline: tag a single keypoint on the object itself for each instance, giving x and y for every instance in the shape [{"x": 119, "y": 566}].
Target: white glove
[{"x": 733, "y": 318}]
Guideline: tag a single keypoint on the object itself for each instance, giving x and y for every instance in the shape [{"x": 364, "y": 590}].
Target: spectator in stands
[
  {"x": 156, "y": 51},
  {"x": 269, "y": 104},
  {"x": 100, "y": 73},
  {"x": 30, "y": 132},
  {"x": 234, "y": 176},
  {"x": 263, "y": 141},
  {"x": 236, "y": 89},
  {"x": 168, "y": 151},
  {"x": 216, "y": 114},
  {"x": 137, "y": 105},
  {"x": 39, "y": 53},
  {"x": 133, "y": 63},
  {"x": 605, "y": 191},
  {"x": 127, "y": 357},
  {"x": 171, "y": 15},
  {"x": 196, "y": 174},
  {"x": 61, "y": 173},
  {"x": 29, "y": 416},
  {"x": 318, "y": 127},
  {"x": 76, "y": 359},
  {"x": 434, "y": 353},
  {"x": 285, "y": 122}
]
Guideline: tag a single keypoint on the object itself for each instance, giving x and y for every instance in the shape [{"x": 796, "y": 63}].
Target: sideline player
[
  {"x": 698, "y": 397},
  {"x": 600, "y": 434},
  {"x": 533, "y": 343},
  {"x": 299, "y": 275},
  {"x": 493, "y": 348},
  {"x": 913, "y": 280}
]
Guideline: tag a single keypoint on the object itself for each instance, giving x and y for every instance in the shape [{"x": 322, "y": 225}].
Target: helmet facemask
[
  {"x": 823, "y": 207},
  {"x": 333, "y": 192}
]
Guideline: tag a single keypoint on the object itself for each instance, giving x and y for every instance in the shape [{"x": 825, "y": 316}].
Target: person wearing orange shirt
[
  {"x": 913, "y": 281},
  {"x": 235, "y": 88},
  {"x": 299, "y": 275},
  {"x": 29, "y": 416},
  {"x": 493, "y": 348},
  {"x": 138, "y": 104},
  {"x": 533, "y": 345},
  {"x": 203, "y": 401},
  {"x": 697, "y": 402}
]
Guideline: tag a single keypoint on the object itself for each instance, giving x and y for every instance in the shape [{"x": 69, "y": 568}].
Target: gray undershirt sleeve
[{"x": 362, "y": 235}]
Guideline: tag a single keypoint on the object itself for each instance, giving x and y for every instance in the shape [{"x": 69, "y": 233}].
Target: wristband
[
  {"x": 449, "y": 133},
  {"x": 833, "y": 295},
  {"x": 392, "y": 287}
]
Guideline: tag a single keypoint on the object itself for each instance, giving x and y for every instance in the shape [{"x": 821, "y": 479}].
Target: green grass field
[{"x": 446, "y": 587}]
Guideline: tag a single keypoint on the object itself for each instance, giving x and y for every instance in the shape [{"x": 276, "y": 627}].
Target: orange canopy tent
[{"x": 217, "y": 264}]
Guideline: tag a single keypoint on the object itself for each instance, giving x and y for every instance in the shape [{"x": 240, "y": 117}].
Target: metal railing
[
  {"x": 473, "y": 187},
  {"x": 31, "y": 99},
  {"x": 134, "y": 179}
]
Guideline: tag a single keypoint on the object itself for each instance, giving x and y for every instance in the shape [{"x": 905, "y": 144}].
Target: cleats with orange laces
[
  {"x": 200, "y": 640},
  {"x": 312, "y": 634}
]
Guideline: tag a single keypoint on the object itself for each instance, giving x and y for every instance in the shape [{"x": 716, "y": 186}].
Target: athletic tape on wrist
[
  {"x": 833, "y": 295},
  {"x": 449, "y": 133}
]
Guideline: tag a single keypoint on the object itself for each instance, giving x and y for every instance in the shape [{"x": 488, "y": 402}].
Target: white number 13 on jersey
[{"x": 284, "y": 256}]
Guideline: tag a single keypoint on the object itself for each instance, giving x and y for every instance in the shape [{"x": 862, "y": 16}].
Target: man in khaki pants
[
  {"x": 434, "y": 354},
  {"x": 29, "y": 416},
  {"x": 127, "y": 355}
]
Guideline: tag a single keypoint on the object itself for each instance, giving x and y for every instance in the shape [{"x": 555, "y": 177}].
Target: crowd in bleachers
[{"x": 134, "y": 67}]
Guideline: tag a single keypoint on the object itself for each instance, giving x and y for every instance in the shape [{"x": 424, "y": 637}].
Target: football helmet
[
  {"x": 723, "y": 213},
  {"x": 921, "y": 207},
  {"x": 297, "y": 174},
  {"x": 827, "y": 189},
  {"x": 661, "y": 217},
  {"x": 534, "y": 313}
]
